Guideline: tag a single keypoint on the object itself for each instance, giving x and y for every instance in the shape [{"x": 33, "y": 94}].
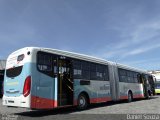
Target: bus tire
[
  {"x": 130, "y": 97},
  {"x": 82, "y": 102}
]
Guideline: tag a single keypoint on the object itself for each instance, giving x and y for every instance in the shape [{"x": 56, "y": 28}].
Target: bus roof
[
  {"x": 82, "y": 57},
  {"x": 91, "y": 58},
  {"x": 77, "y": 56},
  {"x": 131, "y": 68}
]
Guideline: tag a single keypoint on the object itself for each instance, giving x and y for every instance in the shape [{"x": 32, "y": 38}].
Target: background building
[
  {"x": 156, "y": 74},
  {"x": 2, "y": 64}
]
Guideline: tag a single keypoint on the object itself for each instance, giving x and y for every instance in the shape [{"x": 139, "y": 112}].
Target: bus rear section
[
  {"x": 37, "y": 80},
  {"x": 17, "y": 81},
  {"x": 134, "y": 84},
  {"x": 52, "y": 84}
]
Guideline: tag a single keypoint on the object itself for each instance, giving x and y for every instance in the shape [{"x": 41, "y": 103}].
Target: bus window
[
  {"x": 77, "y": 69},
  {"x": 93, "y": 71},
  {"x": 122, "y": 75},
  {"x": 44, "y": 63},
  {"x": 14, "y": 72},
  {"x": 157, "y": 85},
  {"x": 20, "y": 57},
  {"x": 86, "y": 70},
  {"x": 55, "y": 67}
]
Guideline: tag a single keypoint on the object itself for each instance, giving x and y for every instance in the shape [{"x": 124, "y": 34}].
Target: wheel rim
[
  {"x": 129, "y": 97},
  {"x": 82, "y": 101}
]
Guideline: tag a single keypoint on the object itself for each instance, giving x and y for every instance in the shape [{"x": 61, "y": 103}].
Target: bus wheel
[
  {"x": 82, "y": 102},
  {"x": 130, "y": 98}
]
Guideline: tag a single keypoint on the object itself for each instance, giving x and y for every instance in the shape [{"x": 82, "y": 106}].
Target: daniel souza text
[{"x": 143, "y": 116}]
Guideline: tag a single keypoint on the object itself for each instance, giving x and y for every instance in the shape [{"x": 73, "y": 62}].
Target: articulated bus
[{"x": 43, "y": 78}]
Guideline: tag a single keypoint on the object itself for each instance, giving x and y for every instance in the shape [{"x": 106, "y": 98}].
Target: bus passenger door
[{"x": 65, "y": 82}]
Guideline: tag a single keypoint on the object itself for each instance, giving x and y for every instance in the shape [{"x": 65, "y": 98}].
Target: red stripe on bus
[
  {"x": 138, "y": 96},
  {"x": 123, "y": 97},
  {"x": 75, "y": 102},
  {"x": 134, "y": 96},
  {"x": 42, "y": 103},
  {"x": 98, "y": 100}
]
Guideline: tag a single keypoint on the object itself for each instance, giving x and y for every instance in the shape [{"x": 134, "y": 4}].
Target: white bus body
[{"x": 42, "y": 78}]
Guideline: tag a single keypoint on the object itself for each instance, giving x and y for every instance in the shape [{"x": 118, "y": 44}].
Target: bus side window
[
  {"x": 44, "y": 63},
  {"x": 77, "y": 72},
  {"x": 55, "y": 68}
]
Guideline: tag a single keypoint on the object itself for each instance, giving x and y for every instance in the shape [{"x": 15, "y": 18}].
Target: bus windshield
[{"x": 157, "y": 84}]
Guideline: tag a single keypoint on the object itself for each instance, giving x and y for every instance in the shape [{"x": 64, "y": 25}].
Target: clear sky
[{"x": 124, "y": 31}]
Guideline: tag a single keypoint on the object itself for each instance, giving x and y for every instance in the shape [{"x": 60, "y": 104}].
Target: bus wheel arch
[
  {"x": 130, "y": 96},
  {"x": 83, "y": 100}
]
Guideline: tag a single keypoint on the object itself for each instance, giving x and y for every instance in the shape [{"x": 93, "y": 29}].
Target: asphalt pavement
[{"x": 138, "y": 109}]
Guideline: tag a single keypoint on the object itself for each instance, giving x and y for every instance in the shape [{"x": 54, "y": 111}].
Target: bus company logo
[
  {"x": 9, "y": 117},
  {"x": 104, "y": 87},
  {"x": 143, "y": 117}
]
